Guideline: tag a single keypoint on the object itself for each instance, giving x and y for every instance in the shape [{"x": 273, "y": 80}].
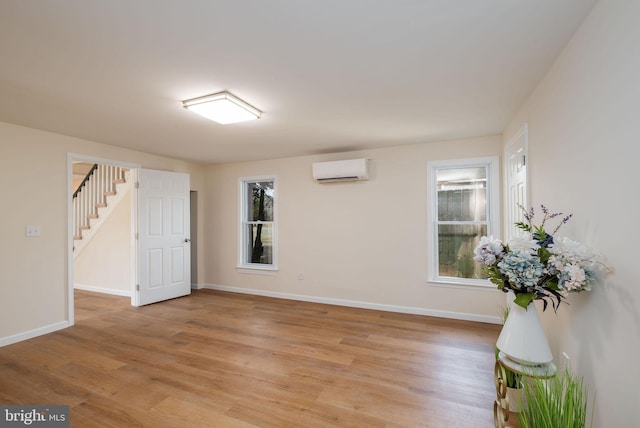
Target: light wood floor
[{"x": 217, "y": 359}]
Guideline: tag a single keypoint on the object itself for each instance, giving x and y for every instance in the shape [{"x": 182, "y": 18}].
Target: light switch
[{"x": 32, "y": 231}]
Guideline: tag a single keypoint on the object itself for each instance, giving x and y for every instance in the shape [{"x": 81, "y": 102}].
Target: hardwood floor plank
[
  {"x": 196, "y": 411},
  {"x": 216, "y": 359}
]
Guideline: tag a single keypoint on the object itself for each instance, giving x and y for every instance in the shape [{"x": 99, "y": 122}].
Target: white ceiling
[{"x": 329, "y": 75}]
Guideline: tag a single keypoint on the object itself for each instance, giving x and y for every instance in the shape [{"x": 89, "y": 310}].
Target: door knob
[{"x": 187, "y": 240}]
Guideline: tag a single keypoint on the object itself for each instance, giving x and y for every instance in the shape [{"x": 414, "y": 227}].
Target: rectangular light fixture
[{"x": 223, "y": 108}]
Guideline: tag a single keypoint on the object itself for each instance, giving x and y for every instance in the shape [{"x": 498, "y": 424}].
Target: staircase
[{"x": 98, "y": 191}]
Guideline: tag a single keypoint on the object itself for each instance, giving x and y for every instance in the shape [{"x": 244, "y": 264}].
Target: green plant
[
  {"x": 513, "y": 380},
  {"x": 558, "y": 402}
]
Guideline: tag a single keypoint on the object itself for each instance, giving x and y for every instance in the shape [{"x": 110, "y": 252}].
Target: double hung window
[
  {"x": 258, "y": 223},
  {"x": 464, "y": 207}
]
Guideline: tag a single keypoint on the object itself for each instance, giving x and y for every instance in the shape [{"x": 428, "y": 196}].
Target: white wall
[
  {"x": 33, "y": 271},
  {"x": 104, "y": 265},
  {"x": 353, "y": 242},
  {"x": 583, "y": 137}
]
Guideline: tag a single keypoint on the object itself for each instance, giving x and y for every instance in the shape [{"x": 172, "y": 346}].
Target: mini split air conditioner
[{"x": 344, "y": 170}]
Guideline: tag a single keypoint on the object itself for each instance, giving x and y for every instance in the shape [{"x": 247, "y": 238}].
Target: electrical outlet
[
  {"x": 566, "y": 362},
  {"x": 32, "y": 231},
  {"x": 300, "y": 276}
]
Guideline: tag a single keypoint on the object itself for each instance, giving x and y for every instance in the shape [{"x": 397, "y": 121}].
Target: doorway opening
[
  {"x": 194, "y": 238},
  {"x": 145, "y": 250},
  {"x": 101, "y": 223}
]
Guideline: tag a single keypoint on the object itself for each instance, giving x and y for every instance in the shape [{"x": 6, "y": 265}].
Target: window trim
[
  {"x": 492, "y": 163},
  {"x": 243, "y": 267}
]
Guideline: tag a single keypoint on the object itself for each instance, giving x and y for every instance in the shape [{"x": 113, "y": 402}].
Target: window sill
[
  {"x": 257, "y": 270},
  {"x": 479, "y": 285}
]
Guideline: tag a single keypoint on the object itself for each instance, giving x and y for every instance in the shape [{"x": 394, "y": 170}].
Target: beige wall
[
  {"x": 325, "y": 230},
  {"x": 33, "y": 271},
  {"x": 583, "y": 136},
  {"x": 353, "y": 242}
]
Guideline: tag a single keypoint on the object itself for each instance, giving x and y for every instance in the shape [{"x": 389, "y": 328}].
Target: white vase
[{"x": 522, "y": 338}]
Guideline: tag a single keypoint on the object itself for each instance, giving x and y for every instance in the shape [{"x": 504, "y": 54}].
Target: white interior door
[
  {"x": 164, "y": 258},
  {"x": 515, "y": 156}
]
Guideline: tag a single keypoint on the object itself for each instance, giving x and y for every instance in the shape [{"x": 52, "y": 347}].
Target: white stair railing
[{"x": 92, "y": 193}]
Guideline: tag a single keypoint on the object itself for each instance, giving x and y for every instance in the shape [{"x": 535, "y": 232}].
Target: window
[
  {"x": 464, "y": 207},
  {"x": 257, "y": 223}
]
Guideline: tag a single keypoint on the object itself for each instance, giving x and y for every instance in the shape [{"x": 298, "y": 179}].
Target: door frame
[
  {"x": 133, "y": 176},
  {"x": 519, "y": 138}
]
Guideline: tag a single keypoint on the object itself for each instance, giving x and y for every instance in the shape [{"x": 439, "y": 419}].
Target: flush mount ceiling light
[{"x": 223, "y": 108}]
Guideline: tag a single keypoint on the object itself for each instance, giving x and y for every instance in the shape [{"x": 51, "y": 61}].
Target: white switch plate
[{"x": 32, "y": 231}]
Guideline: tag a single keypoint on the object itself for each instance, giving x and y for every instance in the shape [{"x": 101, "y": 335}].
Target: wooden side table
[{"x": 543, "y": 371}]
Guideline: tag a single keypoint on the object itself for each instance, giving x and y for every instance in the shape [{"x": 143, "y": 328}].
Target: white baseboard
[
  {"x": 358, "y": 304},
  {"x": 4, "y": 341},
  {"x": 102, "y": 290}
]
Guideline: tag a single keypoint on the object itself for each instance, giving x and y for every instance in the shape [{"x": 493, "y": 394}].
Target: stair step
[{"x": 95, "y": 199}]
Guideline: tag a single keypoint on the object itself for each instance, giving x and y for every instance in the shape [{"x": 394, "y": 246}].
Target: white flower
[
  {"x": 536, "y": 265},
  {"x": 568, "y": 250},
  {"x": 577, "y": 277},
  {"x": 522, "y": 240},
  {"x": 488, "y": 250}
]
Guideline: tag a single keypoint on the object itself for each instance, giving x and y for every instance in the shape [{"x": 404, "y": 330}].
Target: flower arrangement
[{"x": 536, "y": 265}]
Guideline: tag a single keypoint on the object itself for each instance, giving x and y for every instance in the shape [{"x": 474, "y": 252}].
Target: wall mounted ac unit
[{"x": 344, "y": 170}]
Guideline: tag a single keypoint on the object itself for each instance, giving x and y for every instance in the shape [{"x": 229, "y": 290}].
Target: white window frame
[
  {"x": 244, "y": 267},
  {"x": 492, "y": 163}
]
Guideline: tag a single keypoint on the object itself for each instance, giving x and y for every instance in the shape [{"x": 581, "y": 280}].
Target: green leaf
[
  {"x": 544, "y": 255},
  {"x": 558, "y": 402},
  {"x": 523, "y": 226},
  {"x": 523, "y": 299},
  {"x": 552, "y": 284}
]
